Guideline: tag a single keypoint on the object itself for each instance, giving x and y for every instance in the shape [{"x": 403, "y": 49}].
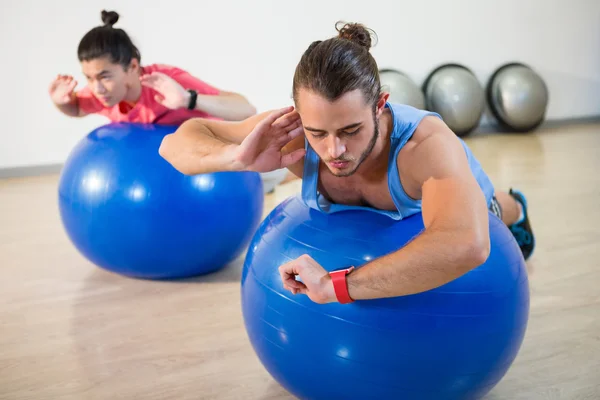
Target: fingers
[
  {"x": 63, "y": 77},
  {"x": 292, "y": 158},
  {"x": 53, "y": 85},
  {"x": 152, "y": 80},
  {"x": 293, "y": 284},
  {"x": 65, "y": 82},
  {"x": 159, "y": 99},
  {"x": 72, "y": 85},
  {"x": 148, "y": 78},
  {"x": 295, "y": 125},
  {"x": 60, "y": 79},
  {"x": 149, "y": 81},
  {"x": 271, "y": 118},
  {"x": 288, "y": 121},
  {"x": 302, "y": 290},
  {"x": 294, "y": 133},
  {"x": 283, "y": 140},
  {"x": 153, "y": 77},
  {"x": 288, "y": 272}
]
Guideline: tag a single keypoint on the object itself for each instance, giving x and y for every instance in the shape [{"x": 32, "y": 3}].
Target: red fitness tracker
[{"x": 340, "y": 285}]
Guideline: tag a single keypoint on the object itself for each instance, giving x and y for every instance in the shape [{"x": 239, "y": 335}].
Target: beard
[{"x": 364, "y": 154}]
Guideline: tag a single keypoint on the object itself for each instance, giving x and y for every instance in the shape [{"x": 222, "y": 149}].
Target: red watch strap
[{"x": 340, "y": 285}]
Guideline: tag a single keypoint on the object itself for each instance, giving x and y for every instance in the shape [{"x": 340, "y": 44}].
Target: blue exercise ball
[
  {"x": 453, "y": 342},
  {"x": 127, "y": 210}
]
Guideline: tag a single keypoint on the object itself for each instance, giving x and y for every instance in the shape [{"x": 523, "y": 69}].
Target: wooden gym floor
[{"x": 69, "y": 330}]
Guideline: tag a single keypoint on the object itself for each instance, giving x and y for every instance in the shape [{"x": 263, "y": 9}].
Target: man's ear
[
  {"x": 134, "y": 65},
  {"x": 383, "y": 98}
]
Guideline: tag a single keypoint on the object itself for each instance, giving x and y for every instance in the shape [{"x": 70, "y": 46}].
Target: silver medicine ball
[
  {"x": 517, "y": 97},
  {"x": 402, "y": 89},
  {"x": 454, "y": 92}
]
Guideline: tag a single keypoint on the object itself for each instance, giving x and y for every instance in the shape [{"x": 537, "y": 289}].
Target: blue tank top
[{"x": 405, "y": 121}]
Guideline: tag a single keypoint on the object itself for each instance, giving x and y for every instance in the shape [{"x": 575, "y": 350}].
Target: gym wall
[{"x": 253, "y": 47}]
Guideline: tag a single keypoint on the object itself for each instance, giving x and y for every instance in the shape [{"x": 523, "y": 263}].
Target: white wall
[{"x": 253, "y": 47}]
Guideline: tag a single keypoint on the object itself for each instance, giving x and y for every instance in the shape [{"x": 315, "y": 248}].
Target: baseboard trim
[
  {"x": 29, "y": 171},
  {"x": 491, "y": 127}
]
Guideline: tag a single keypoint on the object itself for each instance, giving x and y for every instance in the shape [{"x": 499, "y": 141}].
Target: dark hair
[
  {"x": 340, "y": 64},
  {"x": 106, "y": 41}
]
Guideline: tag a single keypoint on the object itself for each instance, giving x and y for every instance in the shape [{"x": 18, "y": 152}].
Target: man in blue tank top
[{"x": 353, "y": 149}]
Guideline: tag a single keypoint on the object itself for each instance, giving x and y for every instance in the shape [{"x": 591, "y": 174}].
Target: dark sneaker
[{"x": 521, "y": 229}]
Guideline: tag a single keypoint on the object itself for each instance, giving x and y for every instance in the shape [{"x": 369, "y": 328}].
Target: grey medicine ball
[
  {"x": 402, "y": 89},
  {"x": 517, "y": 97},
  {"x": 454, "y": 92}
]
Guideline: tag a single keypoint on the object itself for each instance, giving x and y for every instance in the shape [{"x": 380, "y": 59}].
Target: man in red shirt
[{"x": 123, "y": 90}]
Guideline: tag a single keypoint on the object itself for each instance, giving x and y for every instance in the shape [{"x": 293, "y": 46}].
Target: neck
[
  {"x": 376, "y": 162},
  {"x": 133, "y": 93},
  {"x": 134, "y": 90}
]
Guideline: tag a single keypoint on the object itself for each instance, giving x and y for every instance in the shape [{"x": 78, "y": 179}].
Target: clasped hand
[{"x": 316, "y": 282}]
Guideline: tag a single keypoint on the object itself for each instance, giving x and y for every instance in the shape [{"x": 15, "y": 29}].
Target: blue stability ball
[
  {"x": 453, "y": 342},
  {"x": 129, "y": 211}
]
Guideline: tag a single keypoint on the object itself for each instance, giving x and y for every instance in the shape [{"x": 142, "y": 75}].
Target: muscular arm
[
  {"x": 455, "y": 215},
  {"x": 203, "y": 146}
]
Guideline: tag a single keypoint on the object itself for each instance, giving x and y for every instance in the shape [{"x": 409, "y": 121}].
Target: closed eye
[
  {"x": 318, "y": 134},
  {"x": 352, "y": 133}
]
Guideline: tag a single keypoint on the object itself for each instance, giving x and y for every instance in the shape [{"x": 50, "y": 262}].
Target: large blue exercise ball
[
  {"x": 127, "y": 210},
  {"x": 453, "y": 342}
]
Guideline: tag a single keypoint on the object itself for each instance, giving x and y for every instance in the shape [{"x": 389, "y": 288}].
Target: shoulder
[
  {"x": 430, "y": 127},
  {"x": 432, "y": 149},
  {"x": 406, "y": 119}
]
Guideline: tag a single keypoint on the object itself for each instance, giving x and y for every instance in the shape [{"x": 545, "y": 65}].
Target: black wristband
[{"x": 193, "y": 97}]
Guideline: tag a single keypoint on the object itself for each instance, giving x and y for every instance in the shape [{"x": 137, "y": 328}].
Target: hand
[
  {"x": 316, "y": 282},
  {"x": 170, "y": 93},
  {"x": 261, "y": 150},
  {"x": 61, "y": 89}
]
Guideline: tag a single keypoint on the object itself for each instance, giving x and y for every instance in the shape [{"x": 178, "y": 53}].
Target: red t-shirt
[{"x": 147, "y": 110}]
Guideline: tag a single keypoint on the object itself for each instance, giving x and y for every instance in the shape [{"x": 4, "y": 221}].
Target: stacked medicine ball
[{"x": 516, "y": 95}]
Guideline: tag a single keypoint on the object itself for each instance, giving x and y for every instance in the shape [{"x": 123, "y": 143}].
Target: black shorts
[{"x": 495, "y": 207}]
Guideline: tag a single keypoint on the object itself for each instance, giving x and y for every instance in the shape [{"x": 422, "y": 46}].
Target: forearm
[
  {"x": 227, "y": 106},
  {"x": 431, "y": 260},
  {"x": 193, "y": 149}
]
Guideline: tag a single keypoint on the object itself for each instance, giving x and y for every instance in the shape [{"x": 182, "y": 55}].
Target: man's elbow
[
  {"x": 169, "y": 151},
  {"x": 476, "y": 250},
  {"x": 251, "y": 110},
  {"x": 245, "y": 109},
  {"x": 165, "y": 150}
]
